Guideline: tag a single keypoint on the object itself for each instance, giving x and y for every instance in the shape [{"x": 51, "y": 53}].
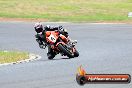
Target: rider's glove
[{"x": 37, "y": 36}]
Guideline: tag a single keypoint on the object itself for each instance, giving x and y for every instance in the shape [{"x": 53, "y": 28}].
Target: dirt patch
[
  {"x": 126, "y": 22},
  {"x": 23, "y": 19},
  {"x": 45, "y": 20}
]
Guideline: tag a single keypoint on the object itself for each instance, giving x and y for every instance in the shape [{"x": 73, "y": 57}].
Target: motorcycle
[{"x": 60, "y": 44}]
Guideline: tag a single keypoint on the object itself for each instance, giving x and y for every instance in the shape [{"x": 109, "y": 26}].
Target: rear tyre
[{"x": 65, "y": 51}]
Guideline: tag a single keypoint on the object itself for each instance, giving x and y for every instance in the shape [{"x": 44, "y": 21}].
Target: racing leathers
[{"x": 41, "y": 38}]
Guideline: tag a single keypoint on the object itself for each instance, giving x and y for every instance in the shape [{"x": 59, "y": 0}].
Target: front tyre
[
  {"x": 66, "y": 51},
  {"x": 76, "y": 53},
  {"x": 50, "y": 56}
]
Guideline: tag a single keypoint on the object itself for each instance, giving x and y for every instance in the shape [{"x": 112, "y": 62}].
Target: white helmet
[{"x": 38, "y": 27}]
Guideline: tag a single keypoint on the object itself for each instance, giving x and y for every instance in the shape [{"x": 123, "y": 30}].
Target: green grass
[
  {"x": 67, "y": 10},
  {"x": 11, "y": 56}
]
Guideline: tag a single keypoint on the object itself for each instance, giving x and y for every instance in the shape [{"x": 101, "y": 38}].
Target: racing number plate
[{"x": 52, "y": 38}]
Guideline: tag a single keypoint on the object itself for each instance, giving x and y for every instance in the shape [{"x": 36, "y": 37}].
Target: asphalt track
[{"x": 104, "y": 48}]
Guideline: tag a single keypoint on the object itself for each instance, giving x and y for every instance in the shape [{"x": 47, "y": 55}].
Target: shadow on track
[
  {"x": 61, "y": 58},
  {"x": 55, "y": 59}
]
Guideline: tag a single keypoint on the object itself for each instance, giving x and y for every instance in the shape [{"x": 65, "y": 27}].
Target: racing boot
[{"x": 50, "y": 53}]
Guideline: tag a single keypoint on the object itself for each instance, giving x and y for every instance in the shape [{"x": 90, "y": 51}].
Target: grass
[
  {"x": 67, "y": 10},
  {"x": 11, "y": 56}
]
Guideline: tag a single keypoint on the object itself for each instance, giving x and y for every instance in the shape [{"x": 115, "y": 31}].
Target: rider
[{"x": 41, "y": 37}]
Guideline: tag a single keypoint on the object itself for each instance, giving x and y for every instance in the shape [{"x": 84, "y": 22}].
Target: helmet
[
  {"x": 38, "y": 27},
  {"x": 47, "y": 27}
]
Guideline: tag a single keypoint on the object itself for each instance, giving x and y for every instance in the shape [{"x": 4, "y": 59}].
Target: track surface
[{"x": 104, "y": 48}]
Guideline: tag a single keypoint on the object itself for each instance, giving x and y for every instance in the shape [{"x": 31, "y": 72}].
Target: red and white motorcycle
[{"x": 60, "y": 44}]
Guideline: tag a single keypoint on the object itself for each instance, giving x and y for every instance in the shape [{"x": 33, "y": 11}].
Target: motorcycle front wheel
[
  {"x": 66, "y": 51},
  {"x": 76, "y": 53}
]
